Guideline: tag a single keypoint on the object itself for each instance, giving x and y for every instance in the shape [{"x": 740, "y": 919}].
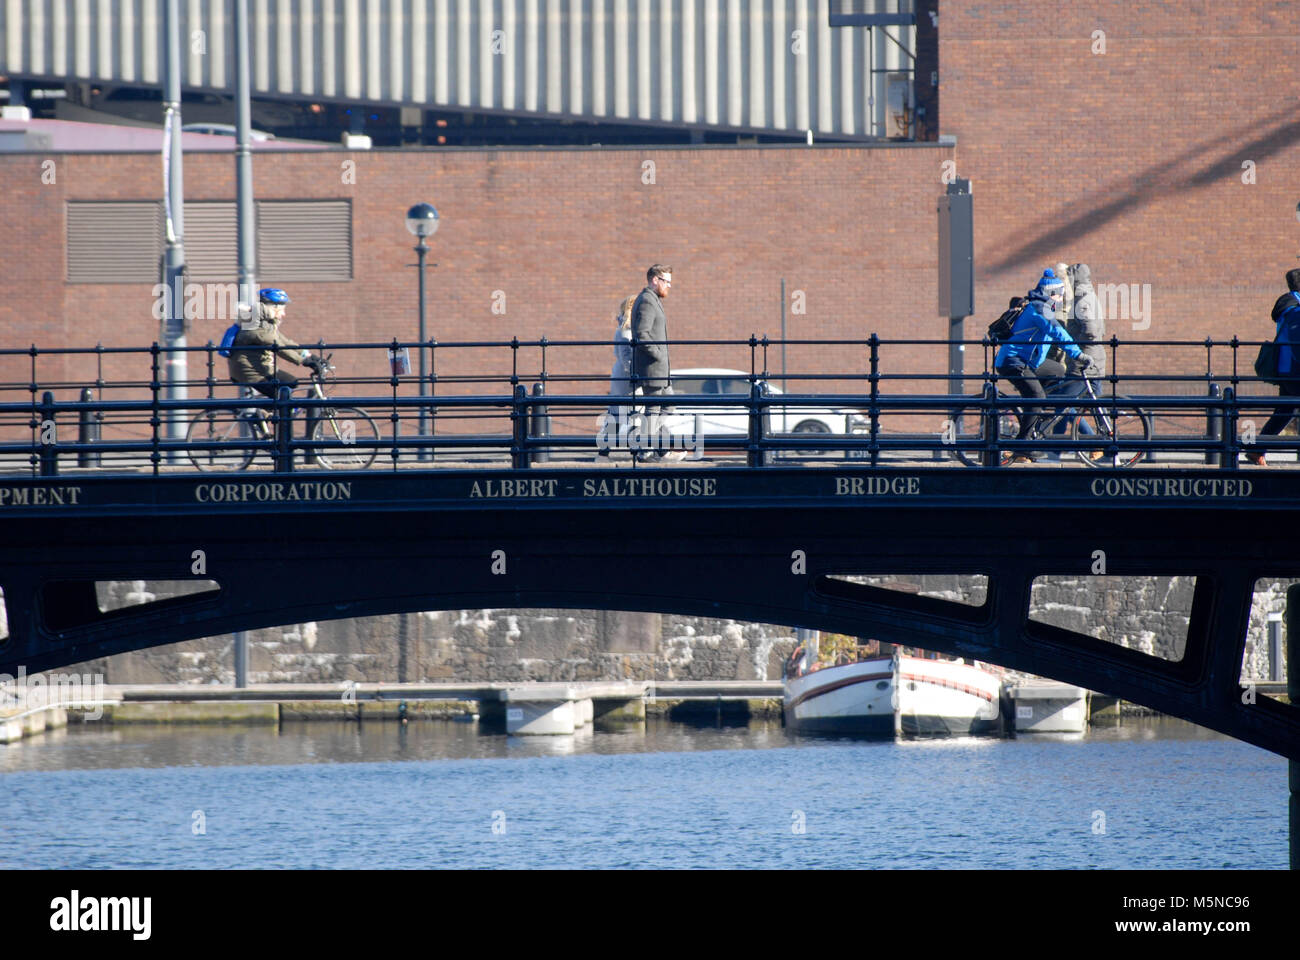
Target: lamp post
[{"x": 422, "y": 221}]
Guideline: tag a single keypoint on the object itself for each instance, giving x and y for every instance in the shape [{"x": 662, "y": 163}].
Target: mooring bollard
[
  {"x": 1228, "y": 432},
  {"x": 88, "y": 426},
  {"x": 541, "y": 425},
  {"x": 1213, "y": 427},
  {"x": 519, "y": 421},
  {"x": 48, "y": 437},
  {"x": 757, "y": 457}
]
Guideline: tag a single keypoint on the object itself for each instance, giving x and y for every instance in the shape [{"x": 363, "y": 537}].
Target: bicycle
[
  {"x": 1118, "y": 421},
  {"x": 344, "y": 436}
]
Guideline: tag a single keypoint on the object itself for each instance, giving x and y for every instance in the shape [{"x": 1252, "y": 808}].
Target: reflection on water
[
  {"x": 103, "y": 746},
  {"x": 663, "y": 794},
  {"x": 92, "y": 746}
]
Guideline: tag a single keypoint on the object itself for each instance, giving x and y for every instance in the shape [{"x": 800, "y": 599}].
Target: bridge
[{"x": 514, "y": 505}]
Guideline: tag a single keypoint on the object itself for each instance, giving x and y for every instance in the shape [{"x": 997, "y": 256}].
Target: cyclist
[
  {"x": 1019, "y": 358},
  {"x": 257, "y": 368}
]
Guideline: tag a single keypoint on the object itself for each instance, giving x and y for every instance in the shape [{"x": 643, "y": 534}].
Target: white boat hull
[{"x": 899, "y": 696}]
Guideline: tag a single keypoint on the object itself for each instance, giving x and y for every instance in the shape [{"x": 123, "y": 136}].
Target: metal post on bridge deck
[
  {"x": 1293, "y": 695},
  {"x": 284, "y": 430},
  {"x": 992, "y": 417}
]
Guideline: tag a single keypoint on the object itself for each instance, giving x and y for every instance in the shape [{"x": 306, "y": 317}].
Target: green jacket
[{"x": 254, "y": 366}]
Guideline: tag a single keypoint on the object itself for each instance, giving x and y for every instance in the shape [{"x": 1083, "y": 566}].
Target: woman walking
[{"x": 620, "y": 375}]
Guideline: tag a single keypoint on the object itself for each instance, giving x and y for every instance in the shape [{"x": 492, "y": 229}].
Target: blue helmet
[{"x": 273, "y": 295}]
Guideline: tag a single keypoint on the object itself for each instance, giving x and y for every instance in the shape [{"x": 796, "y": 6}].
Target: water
[{"x": 1149, "y": 794}]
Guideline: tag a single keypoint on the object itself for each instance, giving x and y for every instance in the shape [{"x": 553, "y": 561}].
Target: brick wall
[
  {"x": 563, "y": 235},
  {"x": 1131, "y": 159}
]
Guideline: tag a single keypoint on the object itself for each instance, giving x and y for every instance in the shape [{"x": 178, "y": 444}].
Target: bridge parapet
[{"x": 57, "y": 409}]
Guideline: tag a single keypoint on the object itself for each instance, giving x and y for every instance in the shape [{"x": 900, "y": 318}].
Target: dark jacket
[
  {"x": 1288, "y": 331},
  {"x": 650, "y": 336},
  {"x": 254, "y": 366},
  {"x": 1087, "y": 326}
]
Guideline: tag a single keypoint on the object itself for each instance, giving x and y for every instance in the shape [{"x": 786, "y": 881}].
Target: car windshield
[
  {"x": 688, "y": 385},
  {"x": 731, "y": 385}
]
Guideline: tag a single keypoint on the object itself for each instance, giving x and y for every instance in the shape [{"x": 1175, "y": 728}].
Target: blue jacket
[
  {"x": 1034, "y": 333},
  {"x": 1287, "y": 314}
]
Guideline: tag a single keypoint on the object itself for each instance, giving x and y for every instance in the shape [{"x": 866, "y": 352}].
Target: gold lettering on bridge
[
  {"x": 509, "y": 489},
  {"x": 262, "y": 492},
  {"x": 877, "y": 486},
  {"x": 40, "y": 496},
  {"x": 651, "y": 487},
  {"x": 1171, "y": 487}
]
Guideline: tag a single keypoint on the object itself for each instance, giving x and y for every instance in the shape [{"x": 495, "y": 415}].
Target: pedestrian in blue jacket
[
  {"x": 1034, "y": 332},
  {"x": 1286, "y": 314}
]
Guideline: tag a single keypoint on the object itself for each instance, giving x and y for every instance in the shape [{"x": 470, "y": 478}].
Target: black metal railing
[{"x": 872, "y": 401}]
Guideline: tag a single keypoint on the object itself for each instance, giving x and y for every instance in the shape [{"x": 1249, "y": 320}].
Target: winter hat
[{"x": 1050, "y": 283}]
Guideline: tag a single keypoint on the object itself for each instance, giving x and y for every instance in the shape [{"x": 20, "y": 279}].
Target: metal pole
[
  {"x": 956, "y": 354},
  {"x": 785, "y": 387},
  {"x": 172, "y": 334},
  {"x": 1293, "y": 694},
  {"x": 247, "y": 250},
  {"x": 241, "y": 659},
  {"x": 808, "y": 639},
  {"x": 421, "y": 251},
  {"x": 1275, "y": 647}
]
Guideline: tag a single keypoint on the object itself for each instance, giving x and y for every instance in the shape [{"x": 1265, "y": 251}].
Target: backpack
[
  {"x": 1266, "y": 361},
  {"x": 1000, "y": 329},
  {"x": 228, "y": 340},
  {"x": 1268, "y": 364}
]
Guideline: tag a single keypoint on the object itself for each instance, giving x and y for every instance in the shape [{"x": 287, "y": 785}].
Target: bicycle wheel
[
  {"x": 1007, "y": 430},
  {"x": 346, "y": 436},
  {"x": 225, "y": 427},
  {"x": 1123, "y": 425}
]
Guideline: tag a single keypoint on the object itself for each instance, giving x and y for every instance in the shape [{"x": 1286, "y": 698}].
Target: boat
[{"x": 893, "y": 696}]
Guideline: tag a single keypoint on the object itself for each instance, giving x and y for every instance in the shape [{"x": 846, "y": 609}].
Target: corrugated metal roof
[{"x": 765, "y": 65}]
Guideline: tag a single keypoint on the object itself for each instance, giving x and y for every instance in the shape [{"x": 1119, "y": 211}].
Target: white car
[
  {"x": 224, "y": 130},
  {"x": 715, "y": 381}
]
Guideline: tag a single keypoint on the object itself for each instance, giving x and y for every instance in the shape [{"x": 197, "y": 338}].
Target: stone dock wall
[{"x": 1148, "y": 614}]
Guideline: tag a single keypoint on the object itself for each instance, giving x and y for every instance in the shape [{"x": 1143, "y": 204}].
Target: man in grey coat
[
  {"x": 651, "y": 373},
  {"x": 1086, "y": 324},
  {"x": 650, "y": 369}
]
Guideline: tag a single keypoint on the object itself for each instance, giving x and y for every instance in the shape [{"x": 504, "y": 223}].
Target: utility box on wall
[{"x": 956, "y": 252}]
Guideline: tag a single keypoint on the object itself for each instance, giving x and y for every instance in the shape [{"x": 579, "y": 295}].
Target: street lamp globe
[{"x": 422, "y": 220}]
